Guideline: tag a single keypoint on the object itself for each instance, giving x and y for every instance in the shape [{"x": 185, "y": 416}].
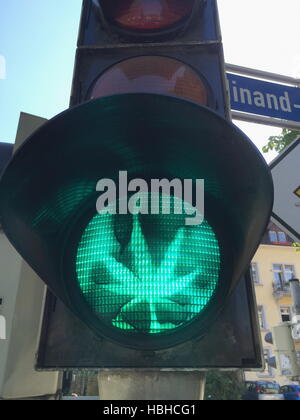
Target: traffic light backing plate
[{"x": 230, "y": 343}]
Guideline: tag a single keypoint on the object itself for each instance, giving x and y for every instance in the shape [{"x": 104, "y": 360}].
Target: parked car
[
  {"x": 262, "y": 390},
  {"x": 291, "y": 392}
]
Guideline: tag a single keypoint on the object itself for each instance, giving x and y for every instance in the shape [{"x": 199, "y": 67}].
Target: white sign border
[{"x": 294, "y": 235}]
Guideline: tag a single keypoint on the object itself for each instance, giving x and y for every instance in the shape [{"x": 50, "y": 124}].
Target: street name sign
[
  {"x": 286, "y": 177},
  {"x": 259, "y": 97}
]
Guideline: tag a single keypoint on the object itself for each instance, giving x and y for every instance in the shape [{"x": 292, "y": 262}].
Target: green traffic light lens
[{"x": 147, "y": 273}]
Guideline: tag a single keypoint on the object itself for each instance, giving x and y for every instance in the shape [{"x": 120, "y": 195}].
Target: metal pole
[
  {"x": 139, "y": 385},
  {"x": 295, "y": 291},
  {"x": 262, "y": 74},
  {"x": 259, "y": 119}
]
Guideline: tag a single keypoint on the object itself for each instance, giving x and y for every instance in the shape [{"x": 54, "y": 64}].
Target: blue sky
[{"x": 38, "y": 41}]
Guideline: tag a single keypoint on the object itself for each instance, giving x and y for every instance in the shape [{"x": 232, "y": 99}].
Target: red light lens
[
  {"x": 147, "y": 14},
  {"x": 152, "y": 74}
]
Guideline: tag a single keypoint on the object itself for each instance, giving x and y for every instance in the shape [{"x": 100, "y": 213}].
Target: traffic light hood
[
  {"x": 144, "y": 17},
  {"x": 6, "y": 150},
  {"x": 48, "y": 191}
]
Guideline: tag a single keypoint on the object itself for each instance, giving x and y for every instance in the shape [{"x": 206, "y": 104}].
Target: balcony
[{"x": 281, "y": 290}]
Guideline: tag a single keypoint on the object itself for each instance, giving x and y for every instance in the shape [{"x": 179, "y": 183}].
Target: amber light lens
[
  {"x": 152, "y": 74},
  {"x": 147, "y": 14}
]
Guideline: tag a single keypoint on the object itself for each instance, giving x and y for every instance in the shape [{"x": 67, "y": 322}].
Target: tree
[
  {"x": 297, "y": 246},
  {"x": 224, "y": 386},
  {"x": 278, "y": 143}
]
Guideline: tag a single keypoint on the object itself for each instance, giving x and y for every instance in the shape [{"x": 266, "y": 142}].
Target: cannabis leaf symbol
[{"x": 130, "y": 290}]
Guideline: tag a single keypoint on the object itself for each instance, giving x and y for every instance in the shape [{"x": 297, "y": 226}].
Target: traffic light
[
  {"x": 84, "y": 200},
  {"x": 160, "y": 46}
]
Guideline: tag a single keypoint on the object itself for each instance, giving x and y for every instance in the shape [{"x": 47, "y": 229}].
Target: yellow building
[{"x": 274, "y": 264}]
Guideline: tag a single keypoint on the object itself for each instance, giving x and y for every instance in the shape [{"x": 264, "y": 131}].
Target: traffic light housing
[
  {"x": 152, "y": 18},
  {"x": 6, "y": 152},
  {"x": 154, "y": 108},
  {"x": 185, "y": 61}
]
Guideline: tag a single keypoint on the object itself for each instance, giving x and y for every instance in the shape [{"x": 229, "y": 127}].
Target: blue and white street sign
[{"x": 258, "y": 97}]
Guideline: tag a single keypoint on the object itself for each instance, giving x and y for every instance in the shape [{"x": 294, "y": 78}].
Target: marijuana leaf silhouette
[{"x": 132, "y": 291}]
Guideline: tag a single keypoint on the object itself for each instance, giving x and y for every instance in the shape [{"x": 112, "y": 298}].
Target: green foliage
[
  {"x": 224, "y": 386},
  {"x": 297, "y": 246},
  {"x": 278, "y": 143}
]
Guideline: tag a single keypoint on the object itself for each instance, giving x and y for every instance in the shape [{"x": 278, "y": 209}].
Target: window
[
  {"x": 273, "y": 236},
  {"x": 254, "y": 273},
  {"x": 262, "y": 318},
  {"x": 251, "y": 387},
  {"x": 282, "y": 274},
  {"x": 285, "y": 314},
  {"x": 285, "y": 389},
  {"x": 278, "y": 276},
  {"x": 277, "y": 237},
  {"x": 281, "y": 237},
  {"x": 289, "y": 272}
]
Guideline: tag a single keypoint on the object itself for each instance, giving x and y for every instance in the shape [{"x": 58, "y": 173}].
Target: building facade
[{"x": 274, "y": 264}]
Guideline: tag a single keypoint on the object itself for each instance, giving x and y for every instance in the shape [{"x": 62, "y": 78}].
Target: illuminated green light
[
  {"x": 147, "y": 274},
  {"x": 61, "y": 204}
]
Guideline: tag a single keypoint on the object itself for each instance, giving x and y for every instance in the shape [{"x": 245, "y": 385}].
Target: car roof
[{"x": 262, "y": 382}]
